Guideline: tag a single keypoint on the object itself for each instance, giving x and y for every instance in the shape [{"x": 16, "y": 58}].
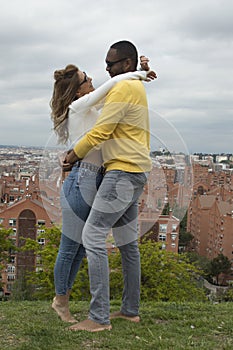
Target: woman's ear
[{"x": 78, "y": 94}]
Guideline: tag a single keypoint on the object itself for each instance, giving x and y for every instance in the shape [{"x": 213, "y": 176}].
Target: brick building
[
  {"x": 160, "y": 228},
  {"x": 26, "y": 212},
  {"x": 210, "y": 214}
]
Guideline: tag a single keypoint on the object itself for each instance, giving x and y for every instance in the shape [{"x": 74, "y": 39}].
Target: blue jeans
[
  {"x": 115, "y": 206},
  {"x": 77, "y": 194}
]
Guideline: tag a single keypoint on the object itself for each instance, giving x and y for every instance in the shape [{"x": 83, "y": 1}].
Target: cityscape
[{"x": 196, "y": 187}]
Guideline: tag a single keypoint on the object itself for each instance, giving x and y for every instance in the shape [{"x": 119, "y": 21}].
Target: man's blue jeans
[
  {"x": 115, "y": 206},
  {"x": 77, "y": 194}
]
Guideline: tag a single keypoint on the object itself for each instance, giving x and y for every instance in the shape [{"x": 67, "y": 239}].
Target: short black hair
[{"x": 125, "y": 49}]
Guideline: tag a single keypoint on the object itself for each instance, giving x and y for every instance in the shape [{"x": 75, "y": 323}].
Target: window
[
  {"x": 39, "y": 269},
  {"x": 10, "y": 277},
  {"x": 12, "y": 259},
  {"x": 14, "y": 231},
  {"x": 40, "y": 231},
  {"x": 41, "y": 241},
  {"x": 41, "y": 222},
  {"x": 11, "y": 269},
  {"x": 162, "y": 237},
  {"x": 12, "y": 222},
  {"x": 1, "y": 220},
  {"x": 163, "y": 228},
  {"x": 174, "y": 227}
]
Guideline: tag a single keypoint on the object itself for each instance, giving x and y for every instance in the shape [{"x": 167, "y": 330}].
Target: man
[{"x": 122, "y": 132}]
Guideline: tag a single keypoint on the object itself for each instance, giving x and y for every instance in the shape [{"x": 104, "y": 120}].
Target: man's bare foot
[
  {"x": 119, "y": 314},
  {"x": 90, "y": 326}
]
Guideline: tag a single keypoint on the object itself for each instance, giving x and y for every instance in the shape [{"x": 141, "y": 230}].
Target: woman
[{"x": 73, "y": 114}]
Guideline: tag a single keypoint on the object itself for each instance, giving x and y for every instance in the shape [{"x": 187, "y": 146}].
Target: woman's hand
[
  {"x": 144, "y": 63},
  {"x": 151, "y": 75}
]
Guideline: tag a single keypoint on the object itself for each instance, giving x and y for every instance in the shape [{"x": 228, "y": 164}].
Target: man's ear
[
  {"x": 78, "y": 94},
  {"x": 128, "y": 64}
]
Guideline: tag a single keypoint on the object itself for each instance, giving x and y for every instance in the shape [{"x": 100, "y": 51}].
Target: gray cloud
[{"x": 190, "y": 45}]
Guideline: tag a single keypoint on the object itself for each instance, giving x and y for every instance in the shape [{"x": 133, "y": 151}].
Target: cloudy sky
[{"x": 189, "y": 43}]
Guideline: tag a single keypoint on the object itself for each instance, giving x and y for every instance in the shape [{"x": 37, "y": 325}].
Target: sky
[{"x": 189, "y": 43}]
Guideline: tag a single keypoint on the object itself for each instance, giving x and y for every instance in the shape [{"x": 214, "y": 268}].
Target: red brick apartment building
[
  {"x": 26, "y": 211},
  {"x": 210, "y": 214}
]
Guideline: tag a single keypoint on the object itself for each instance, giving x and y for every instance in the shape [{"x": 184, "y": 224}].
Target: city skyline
[{"x": 190, "y": 46}]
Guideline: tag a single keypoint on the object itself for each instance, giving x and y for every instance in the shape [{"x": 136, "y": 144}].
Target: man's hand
[{"x": 69, "y": 160}]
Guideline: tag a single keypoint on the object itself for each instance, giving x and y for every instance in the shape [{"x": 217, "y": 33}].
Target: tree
[
  {"x": 185, "y": 237},
  {"x": 165, "y": 276},
  {"x": 168, "y": 276},
  {"x": 166, "y": 209},
  {"x": 220, "y": 264},
  {"x": 201, "y": 262},
  {"x": 42, "y": 279}
]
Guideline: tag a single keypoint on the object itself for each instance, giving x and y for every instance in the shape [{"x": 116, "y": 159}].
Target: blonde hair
[{"x": 65, "y": 90}]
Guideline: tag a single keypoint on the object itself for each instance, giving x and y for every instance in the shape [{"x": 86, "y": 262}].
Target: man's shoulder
[
  {"x": 127, "y": 85},
  {"x": 126, "y": 90}
]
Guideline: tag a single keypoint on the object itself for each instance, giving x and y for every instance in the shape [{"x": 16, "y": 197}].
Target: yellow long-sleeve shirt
[{"x": 122, "y": 130}]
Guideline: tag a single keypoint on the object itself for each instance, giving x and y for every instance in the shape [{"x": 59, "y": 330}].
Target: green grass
[{"x": 169, "y": 326}]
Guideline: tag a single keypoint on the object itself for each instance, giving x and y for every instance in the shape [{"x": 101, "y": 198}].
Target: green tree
[
  {"x": 166, "y": 209},
  {"x": 201, "y": 262},
  {"x": 42, "y": 279},
  {"x": 165, "y": 276},
  {"x": 185, "y": 237},
  {"x": 168, "y": 276},
  {"x": 220, "y": 264}
]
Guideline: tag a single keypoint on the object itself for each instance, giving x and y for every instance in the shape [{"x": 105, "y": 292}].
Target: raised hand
[{"x": 144, "y": 63}]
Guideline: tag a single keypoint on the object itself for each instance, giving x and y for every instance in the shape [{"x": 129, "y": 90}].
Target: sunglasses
[
  {"x": 110, "y": 64},
  {"x": 84, "y": 80}
]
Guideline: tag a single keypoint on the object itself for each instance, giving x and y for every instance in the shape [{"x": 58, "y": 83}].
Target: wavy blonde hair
[{"x": 64, "y": 93}]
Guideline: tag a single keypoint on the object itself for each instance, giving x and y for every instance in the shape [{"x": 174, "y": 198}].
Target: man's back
[{"x": 125, "y": 114}]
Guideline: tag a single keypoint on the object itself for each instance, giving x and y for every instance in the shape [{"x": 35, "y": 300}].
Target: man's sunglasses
[
  {"x": 84, "y": 80},
  {"x": 110, "y": 64}
]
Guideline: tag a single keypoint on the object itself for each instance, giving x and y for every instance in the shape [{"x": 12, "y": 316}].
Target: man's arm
[
  {"x": 113, "y": 111},
  {"x": 69, "y": 160}
]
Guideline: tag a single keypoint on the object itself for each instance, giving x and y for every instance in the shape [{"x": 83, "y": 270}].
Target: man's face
[{"x": 115, "y": 64}]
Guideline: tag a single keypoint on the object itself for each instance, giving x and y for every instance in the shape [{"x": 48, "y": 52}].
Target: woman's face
[{"x": 85, "y": 84}]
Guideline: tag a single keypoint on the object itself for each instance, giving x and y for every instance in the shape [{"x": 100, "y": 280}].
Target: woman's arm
[{"x": 91, "y": 99}]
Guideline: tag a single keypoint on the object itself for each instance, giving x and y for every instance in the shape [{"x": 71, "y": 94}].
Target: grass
[{"x": 164, "y": 326}]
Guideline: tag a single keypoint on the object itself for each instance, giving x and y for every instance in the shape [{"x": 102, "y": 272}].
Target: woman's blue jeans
[{"x": 77, "y": 195}]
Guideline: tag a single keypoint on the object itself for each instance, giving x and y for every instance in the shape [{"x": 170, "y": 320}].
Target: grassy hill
[{"x": 169, "y": 326}]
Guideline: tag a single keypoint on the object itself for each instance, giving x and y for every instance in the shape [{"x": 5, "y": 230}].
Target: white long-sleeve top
[{"x": 83, "y": 112}]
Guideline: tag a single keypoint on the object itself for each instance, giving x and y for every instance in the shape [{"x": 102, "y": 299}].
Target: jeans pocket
[{"x": 67, "y": 186}]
